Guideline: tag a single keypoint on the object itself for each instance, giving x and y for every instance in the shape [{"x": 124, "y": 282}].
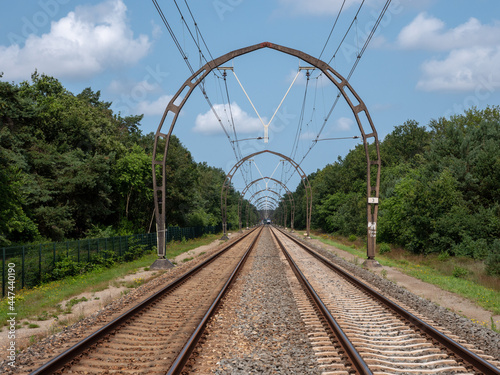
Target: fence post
[
  {"x": 3, "y": 272},
  {"x": 22, "y": 278},
  {"x": 40, "y": 263}
]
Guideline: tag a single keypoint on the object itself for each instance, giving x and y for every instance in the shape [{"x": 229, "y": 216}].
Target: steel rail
[
  {"x": 479, "y": 364},
  {"x": 190, "y": 345},
  {"x": 354, "y": 357},
  {"x": 70, "y": 354}
]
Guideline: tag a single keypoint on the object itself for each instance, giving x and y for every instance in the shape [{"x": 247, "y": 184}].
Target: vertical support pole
[
  {"x": 372, "y": 227},
  {"x": 22, "y": 264},
  {"x": 40, "y": 263},
  {"x": 3, "y": 272}
]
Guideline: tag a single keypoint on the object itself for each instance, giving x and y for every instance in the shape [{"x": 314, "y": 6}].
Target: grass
[
  {"x": 40, "y": 303},
  {"x": 463, "y": 276}
]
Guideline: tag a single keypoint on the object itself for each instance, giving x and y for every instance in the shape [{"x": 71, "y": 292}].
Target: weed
[
  {"x": 352, "y": 238},
  {"x": 384, "y": 248},
  {"x": 460, "y": 272},
  {"x": 134, "y": 283},
  {"x": 33, "y": 325},
  {"x": 187, "y": 259},
  {"x": 494, "y": 326},
  {"x": 43, "y": 316},
  {"x": 384, "y": 274},
  {"x": 72, "y": 302},
  {"x": 444, "y": 256}
]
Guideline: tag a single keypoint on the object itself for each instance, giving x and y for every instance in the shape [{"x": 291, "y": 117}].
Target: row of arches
[{"x": 357, "y": 106}]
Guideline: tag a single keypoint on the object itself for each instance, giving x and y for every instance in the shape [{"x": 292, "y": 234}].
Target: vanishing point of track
[{"x": 189, "y": 326}]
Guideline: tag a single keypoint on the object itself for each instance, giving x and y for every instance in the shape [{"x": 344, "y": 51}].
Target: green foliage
[
  {"x": 460, "y": 272},
  {"x": 352, "y": 238},
  {"x": 68, "y": 165},
  {"x": 384, "y": 248},
  {"x": 65, "y": 267},
  {"x": 444, "y": 256},
  {"x": 439, "y": 191},
  {"x": 493, "y": 260}
]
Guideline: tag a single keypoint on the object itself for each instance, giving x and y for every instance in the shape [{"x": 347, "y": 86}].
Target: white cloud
[
  {"x": 463, "y": 70},
  {"x": 85, "y": 42},
  {"x": 154, "y": 108},
  {"x": 472, "y": 53},
  {"x": 207, "y": 123},
  {"x": 121, "y": 86},
  {"x": 429, "y": 33},
  {"x": 307, "y": 136},
  {"x": 344, "y": 124}
]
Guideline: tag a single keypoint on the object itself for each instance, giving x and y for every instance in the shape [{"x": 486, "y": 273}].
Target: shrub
[
  {"x": 460, "y": 272},
  {"x": 65, "y": 267},
  {"x": 352, "y": 238},
  {"x": 493, "y": 260},
  {"x": 384, "y": 248},
  {"x": 444, "y": 256}
]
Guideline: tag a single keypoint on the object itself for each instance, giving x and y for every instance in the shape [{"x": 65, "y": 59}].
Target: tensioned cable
[
  {"x": 237, "y": 151},
  {"x": 189, "y": 30},
  {"x": 186, "y": 60},
  {"x": 372, "y": 32},
  {"x": 232, "y": 118},
  {"x": 331, "y": 31},
  {"x": 347, "y": 32},
  {"x": 301, "y": 120},
  {"x": 196, "y": 25},
  {"x": 266, "y": 126}
]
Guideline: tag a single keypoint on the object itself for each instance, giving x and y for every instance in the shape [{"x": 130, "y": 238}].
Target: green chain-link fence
[{"x": 25, "y": 266}]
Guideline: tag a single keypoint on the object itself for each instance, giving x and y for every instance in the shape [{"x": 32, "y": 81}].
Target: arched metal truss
[
  {"x": 227, "y": 184},
  {"x": 357, "y": 106},
  {"x": 289, "y": 194},
  {"x": 249, "y": 201}
]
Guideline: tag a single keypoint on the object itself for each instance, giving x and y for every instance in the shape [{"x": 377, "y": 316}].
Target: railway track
[
  {"x": 148, "y": 337},
  {"x": 388, "y": 338},
  {"x": 285, "y": 310}
]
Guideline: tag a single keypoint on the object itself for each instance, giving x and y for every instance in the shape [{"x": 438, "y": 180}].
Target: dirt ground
[{"x": 96, "y": 301}]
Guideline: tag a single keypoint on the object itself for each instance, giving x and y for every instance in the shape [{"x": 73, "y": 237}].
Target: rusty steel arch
[
  {"x": 289, "y": 193},
  {"x": 248, "y": 203},
  {"x": 357, "y": 106},
  {"x": 234, "y": 169},
  {"x": 274, "y": 200}
]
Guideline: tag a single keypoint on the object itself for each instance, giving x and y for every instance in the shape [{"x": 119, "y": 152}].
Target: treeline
[
  {"x": 71, "y": 168},
  {"x": 440, "y": 187}
]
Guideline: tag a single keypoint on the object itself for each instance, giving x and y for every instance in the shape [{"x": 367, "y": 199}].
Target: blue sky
[{"x": 428, "y": 59}]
